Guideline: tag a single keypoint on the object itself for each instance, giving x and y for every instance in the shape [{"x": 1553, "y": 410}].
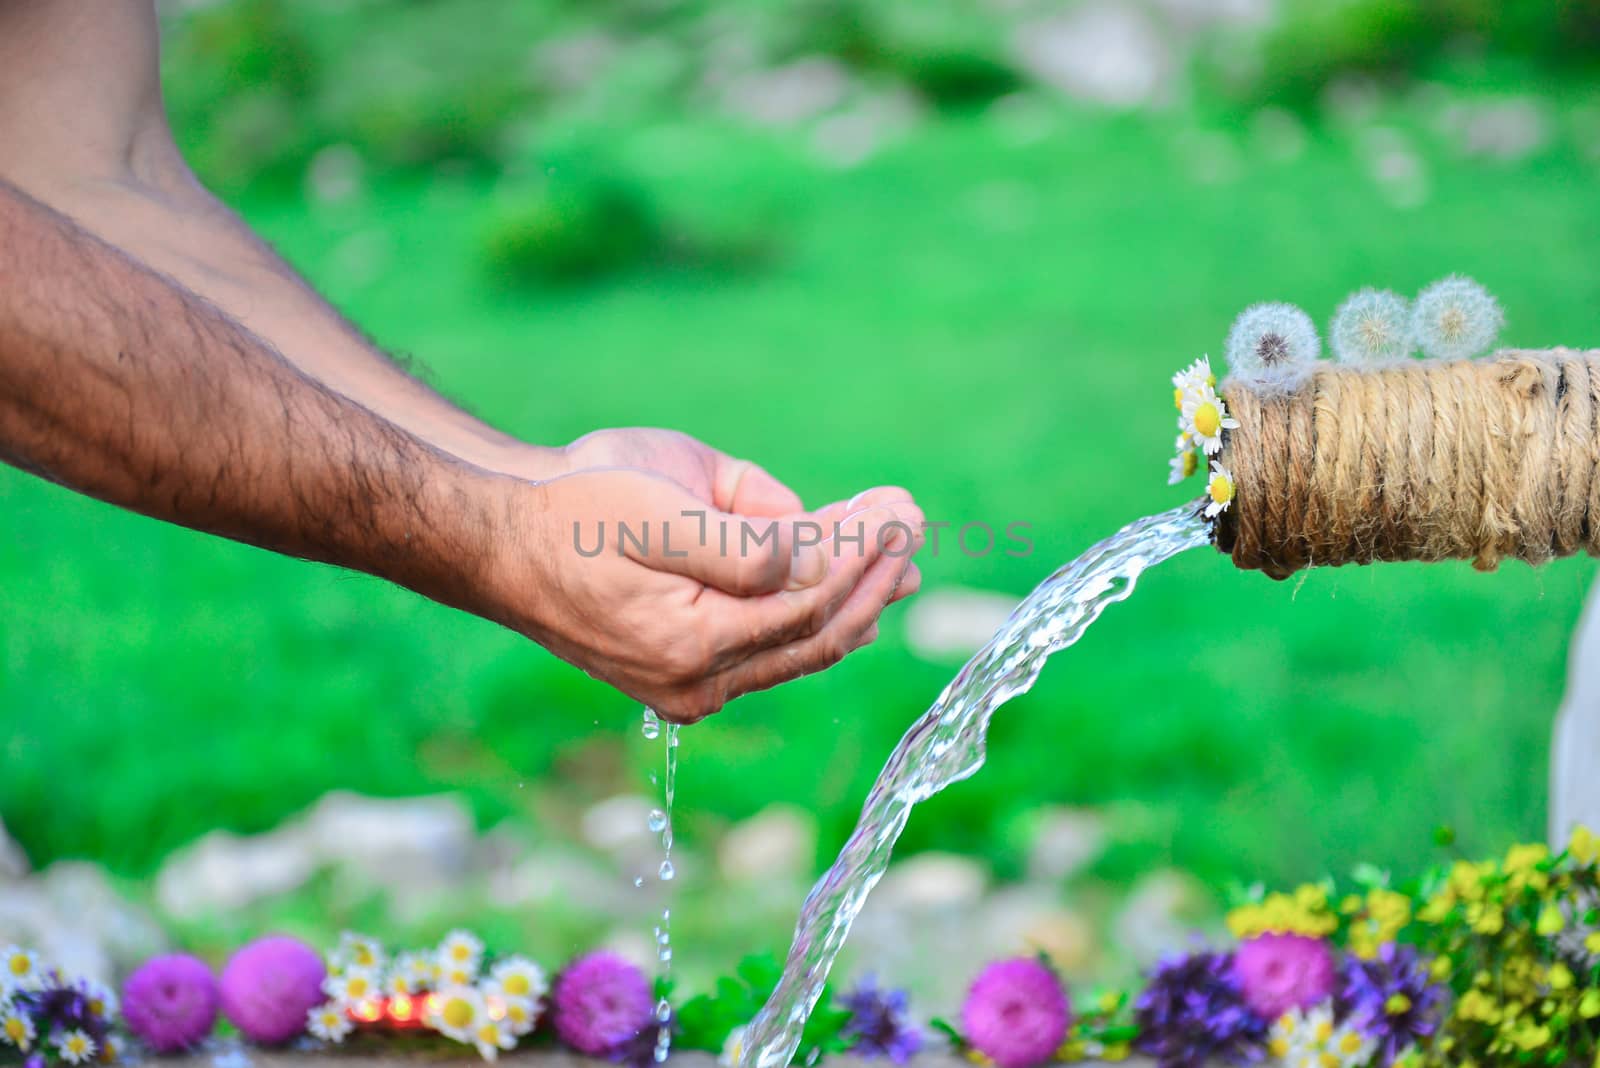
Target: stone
[
  {"x": 77, "y": 920},
  {"x": 386, "y": 841},
  {"x": 777, "y": 843},
  {"x": 1159, "y": 914},
  {"x": 222, "y": 871},
  {"x": 1064, "y": 842},
  {"x": 955, "y": 622},
  {"x": 1102, "y": 52},
  {"x": 1575, "y": 742},
  {"x": 1029, "y": 919},
  {"x": 13, "y": 861},
  {"x": 790, "y": 94},
  {"x": 930, "y": 881}
]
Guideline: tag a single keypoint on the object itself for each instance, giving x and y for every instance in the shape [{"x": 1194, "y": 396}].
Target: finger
[
  {"x": 746, "y": 625},
  {"x": 744, "y": 488},
  {"x": 896, "y": 497},
  {"x": 909, "y": 583},
  {"x": 853, "y": 625}
]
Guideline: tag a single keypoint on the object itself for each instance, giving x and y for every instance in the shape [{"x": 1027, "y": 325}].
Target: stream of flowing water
[{"x": 945, "y": 746}]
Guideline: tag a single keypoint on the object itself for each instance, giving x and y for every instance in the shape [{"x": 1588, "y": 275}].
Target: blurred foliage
[
  {"x": 1312, "y": 42},
  {"x": 706, "y": 1021}
]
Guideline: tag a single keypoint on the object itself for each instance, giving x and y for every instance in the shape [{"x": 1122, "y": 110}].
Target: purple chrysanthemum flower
[
  {"x": 880, "y": 1024},
  {"x": 1016, "y": 1013},
  {"x": 600, "y": 1002},
  {"x": 1279, "y": 972},
  {"x": 171, "y": 1002},
  {"x": 270, "y": 985},
  {"x": 1193, "y": 1011},
  {"x": 1391, "y": 999}
]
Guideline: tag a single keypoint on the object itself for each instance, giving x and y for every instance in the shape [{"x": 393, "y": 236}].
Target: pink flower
[
  {"x": 1279, "y": 972},
  {"x": 1016, "y": 1013},
  {"x": 600, "y": 1001},
  {"x": 171, "y": 1002},
  {"x": 270, "y": 985}
]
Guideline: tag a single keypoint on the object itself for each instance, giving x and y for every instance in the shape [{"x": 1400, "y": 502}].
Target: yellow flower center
[
  {"x": 16, "y": 1030},
  {"x": 1221, "y": 489},
  {"x": 76, "y": 1044},
  {"x": 517, "y": 985},
  {"x": 357, "y": 987},
  {"x": 1177, "y": 397},
  {"x": 490, "y": 1033},
  {"x": 1397, "y": 1005},
  {"x": 19, "y": 964},
  {"x": 1207, "y": 420},
  {"x": 1323, "y": 1032},
  {"x": 457, "y": 1012},
  {"x": 1350, "y": 1042},
  {"x": 364, "y": 956},
  {"x": 459, "y": 952},
  {"x": 1191, "y": 464}
]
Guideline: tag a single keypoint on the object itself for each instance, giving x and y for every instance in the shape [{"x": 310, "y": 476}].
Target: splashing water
[
  {"x": 660, "y": 822},
  {"x": 947, "y": 745}
]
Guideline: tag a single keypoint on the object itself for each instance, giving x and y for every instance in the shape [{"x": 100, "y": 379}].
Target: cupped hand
[{"x": 696, "y": 603}]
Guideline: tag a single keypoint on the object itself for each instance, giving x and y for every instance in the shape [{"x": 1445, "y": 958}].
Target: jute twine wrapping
[{"x": 1479, "y": 460}]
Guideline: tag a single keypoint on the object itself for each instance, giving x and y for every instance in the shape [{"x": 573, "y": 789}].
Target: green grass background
[{"x": 989, "y": 323}]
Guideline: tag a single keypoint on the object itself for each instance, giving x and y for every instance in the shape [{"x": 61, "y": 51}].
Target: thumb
[{"x": 741, "y": 555}]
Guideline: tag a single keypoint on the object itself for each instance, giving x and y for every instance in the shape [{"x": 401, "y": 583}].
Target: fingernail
[{"x": 809, "y": 567}]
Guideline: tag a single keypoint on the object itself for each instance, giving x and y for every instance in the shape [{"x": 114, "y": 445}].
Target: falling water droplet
[
  {"x": 663, "y": 1011},
  {"x": 638, "y": 880},
  {"x": 652, "y": 725},
  {"x": 658, "y": 820},
  {"x": 667, "y": 871},
  {"x": 664, "y": 954}
]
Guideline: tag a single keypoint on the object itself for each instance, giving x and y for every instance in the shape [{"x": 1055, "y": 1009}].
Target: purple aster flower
[
  {"x": 171, "y": 1002},
  {"x": 1391, "y": 999},
  {"x": 880, "y": 1024},
  {"x": 1279, "y": 972},
  {"x": 600, "y": 1002},
  {"x": 1193, "y": 1010},
  {"x": 270, "y": 985},
  {"x": 1016, "y": 1013},
  {"x": 35, "y": 1060}
]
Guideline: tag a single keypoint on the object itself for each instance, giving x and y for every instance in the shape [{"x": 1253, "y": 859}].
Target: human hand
[{"x": 669, "y": 617}]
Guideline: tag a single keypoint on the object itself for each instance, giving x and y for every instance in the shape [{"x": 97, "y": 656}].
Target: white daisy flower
[
  {"x": 519, "y": 977},
  {"x": 358, "y": 951},
  {"x": 1194, "y": 376},
  {"x": 492, "y": 1036},
  {"x": 101, "y": 998},
  {"x": 1273, "y": 344},
  {"x": 1184, "y": 464},
  {"x": 732, "y": 1048},
  {"x": 75, "y": 1046},
  {"x": 521, "y": 1014},
  {"x": 460, "y": 949},
  {"x": 20, "y": 968},
  {"x": 329, "y": 1022},
  {"x": 115, "y": 1049},
  {"x": 17, "y": 1030},
  {"x": 1205, "y": 417},
  {"x": 1220, "y": 489},
  {"x": 355, "y": 986},
  {"x": 1312, "y": 1039},
  {"x": 453, "y": 975},
  {"x": 1455, "y": 319},
  {"x": 1372, "y": 328},
  {"x": 456, "y": 1012}
]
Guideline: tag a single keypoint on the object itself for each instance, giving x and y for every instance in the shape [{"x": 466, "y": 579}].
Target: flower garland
[{"x": 1475, "y": 963}]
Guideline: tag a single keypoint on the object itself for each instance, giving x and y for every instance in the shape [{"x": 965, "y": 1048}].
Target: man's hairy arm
[{"x": 115, "y": 382}]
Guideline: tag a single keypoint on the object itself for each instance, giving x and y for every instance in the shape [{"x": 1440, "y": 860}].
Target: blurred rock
[
  {"x": 1065, "y": 841},
  {"x": 777, "y": 843},
  {"x": 13, "y": 861},
  {"x": 930, "y": 881},
  {"x": 570, "y": 63},
  {"x": 1031, "y": 919},
  {"x": 1103, "y": 52},
  {"x": 1503, "y": 129},
  {"x": 954, "y": 622},
  {"x": 77, "y": 920},
  {"x": 562, "y": 876},
  {"x": 412, "y": 848},
  {"x": 790, "y": 94},
  {"x": 851, "y": 137},
  {"x": 335, "y": 175},
  {"x": 1159, "y": 915},
  {"x": 222, "y": 871}
]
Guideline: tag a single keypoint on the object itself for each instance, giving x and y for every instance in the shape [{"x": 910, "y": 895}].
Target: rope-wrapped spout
[{"x": 1481, "y": 460}]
